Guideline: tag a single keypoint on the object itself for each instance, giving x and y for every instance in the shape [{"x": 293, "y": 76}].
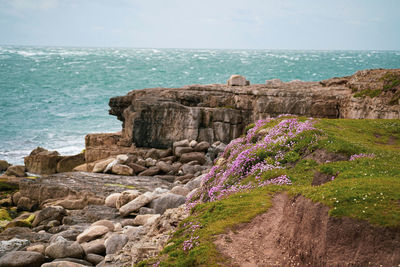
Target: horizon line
[{"x": 197, "y": 48}]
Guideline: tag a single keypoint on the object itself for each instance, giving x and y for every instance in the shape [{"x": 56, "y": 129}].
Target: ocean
[{"x": 53, "y": 96}]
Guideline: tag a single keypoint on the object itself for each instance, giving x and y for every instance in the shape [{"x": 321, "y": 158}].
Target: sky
[{"x": 233, "y": 24}]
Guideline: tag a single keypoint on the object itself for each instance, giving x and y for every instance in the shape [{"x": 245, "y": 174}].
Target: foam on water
[{"x": 52, "y": 97}]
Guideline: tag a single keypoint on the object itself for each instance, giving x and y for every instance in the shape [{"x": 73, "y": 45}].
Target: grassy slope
[{"x": 367, "y": 189}]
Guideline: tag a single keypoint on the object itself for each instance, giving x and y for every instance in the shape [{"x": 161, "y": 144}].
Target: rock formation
[{"x": 158, "y": 117}]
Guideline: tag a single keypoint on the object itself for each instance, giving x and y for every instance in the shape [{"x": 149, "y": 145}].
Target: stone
[
  {"x": 94, "y": 258},
  {"x": 69, "y": 234},
  {"x": 82, "y": 168},
  {"x": 238, "y": 80},
  {"x": 62, "y": 248},
  {"x": 94, "y": 247},
  {"x": 165, "y": 153},
  {"x": 62, "y": 263},
  {"x": 136, "y": 204},
  {"x": 150, "y": 162},
  {"x": 101, "y": 165},
  {"x": 111, "y": 200},
  {"x": 73, "y": 260},
  {"x": 167, "y": 201},
  {"x": 180, "y": 190},
  {"x": 182, "y": 150},
  {"x": 107, "y": 223},
  {"x": 91, "y": 233},
  {"x": 122, "y": 158},
  {"x": 136, "y": 167},
  {"x": 42, "y": 161},
  {"x": 153, "y": 153},
  {"x": 22, "y": 259},
  {"x": 13, "y": 244},
  {"x": 145, "y": 219},
  {"x": 4, "y": 165},
  {"x": 193, "y": 143},
  {"x": 197, "y": 156},
  {"x": 16, "y": 170},
  {"x": 164, "y": 167},
  {"x": 122, "y": 169},
  {"x": 169, "y": 159},
  {"x": 194, "y": 183},
  {"x": 40, "y": 248},
  {"x": 25, "y": 203},
  {"x": 68, "y": 163},
  {"x": 48, "y": 214},
  {"x": 181, "y": 143},
  {"x": 125, "y": 197},
  {"x": 15, "y": 197},
  {"x": 23, "y": 233},
  {"x": 202, "y": 146},
  {"x": 146, "y": 210},
  {"x": 185, "y": 178},
  {"x": 150, "y": 171},
  {"x": 115, "y": 243}
]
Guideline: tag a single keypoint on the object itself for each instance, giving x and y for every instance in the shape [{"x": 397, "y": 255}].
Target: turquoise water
[{"x": 53, "y": 97}]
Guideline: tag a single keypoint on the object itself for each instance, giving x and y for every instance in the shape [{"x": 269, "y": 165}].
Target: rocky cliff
[{"x": 157, "y": 117}]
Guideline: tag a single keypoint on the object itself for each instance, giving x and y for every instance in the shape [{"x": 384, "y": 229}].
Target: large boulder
[
  {"x": 4, "y": 165},
  {"x": 63, "y": 263},
  {"x": 167, "y": 201},
  {"x": 126, "y": 197},
  {"x": 16, "y": 170},
  {"x": 150, "y": 171},
  {"x": 111, "y": 200},
  {"x": 92, "y": 232},
  {"x": 115, "y": 243},
  {"x": 95, "y": 247},
  {"x": 194, "y": 156},
  {"x": 68, "y": 163},
  {"x": 238, "y": 80},
  {"x": 101, "y": 165},
  {"x": 49, "y": 214},
  {"x": 62, "y": 248},
  {"x": 42, "y": 161},
  {"x": 14, "y": 244},
  {"x": 22, "y": 259},
  {"x": 121, "y": 169},
  {"x": 136, "y": 204}
]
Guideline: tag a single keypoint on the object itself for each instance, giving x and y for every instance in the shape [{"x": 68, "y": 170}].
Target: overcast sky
[{"x": 260, "y": 24}]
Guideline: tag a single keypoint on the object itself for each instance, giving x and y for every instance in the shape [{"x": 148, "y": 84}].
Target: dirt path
[{"x": 254, "y": 243}]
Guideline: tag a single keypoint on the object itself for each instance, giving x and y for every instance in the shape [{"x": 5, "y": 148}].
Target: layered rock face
[{"x": 158, "y": 117}]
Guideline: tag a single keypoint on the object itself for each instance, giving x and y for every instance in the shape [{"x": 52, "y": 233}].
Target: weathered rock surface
[
  {"x": 158, "y": 117},
  {"x": 115, "y": 242},
  {"x": 62, "y": 263},
  {"x": 48, "y": 214},
  {"x": 42, "y": 161},
  {"x": 4, "y": 165},
  {"x": 136, "y": 204},
  {"x": 16, "y": 170},
  {"x": 85, "y": 188},
  {"x": 167, "y": 201},
  {"x": 22, "y": 259},
  {"x": 68, "y": 163},
  {"x": 62, "y": 248},
  {"x": 237, "y": 80},
  {"x": 14, "y": 244},
  {"x": 92, "y": 232}
]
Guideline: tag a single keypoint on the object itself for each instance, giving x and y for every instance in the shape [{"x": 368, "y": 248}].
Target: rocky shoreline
[{"x": 115, "y": 203}]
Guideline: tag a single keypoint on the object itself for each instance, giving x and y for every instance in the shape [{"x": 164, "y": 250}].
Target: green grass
[
  {"x": 368, "y": 92},
  {"x": 364, "y": 189}
]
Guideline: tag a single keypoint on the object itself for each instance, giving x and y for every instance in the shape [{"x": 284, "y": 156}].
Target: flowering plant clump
[
  {"x": 268, "y": 146},
  {"x": 362, "y": 155},
  {"x": 193, "y": 239}
]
